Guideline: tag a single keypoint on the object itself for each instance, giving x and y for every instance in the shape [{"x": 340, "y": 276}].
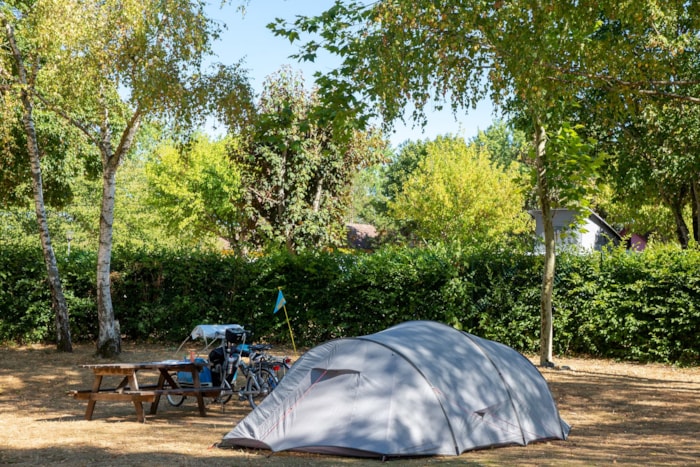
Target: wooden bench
[
  {"x": 206, "y": 392},
  {"x": 87, "y": 394}
]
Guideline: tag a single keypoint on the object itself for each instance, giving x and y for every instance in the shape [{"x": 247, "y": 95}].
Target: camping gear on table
[
  {"x": 230, "y": 342},
  {"x": 418, "y": 388},
  {"x": 212, "y": 335}
]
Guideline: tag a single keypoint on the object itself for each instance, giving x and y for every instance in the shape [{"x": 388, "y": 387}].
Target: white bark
[
  {"x": 109, "y": 339},
  {"x": 58, "y": 300}
]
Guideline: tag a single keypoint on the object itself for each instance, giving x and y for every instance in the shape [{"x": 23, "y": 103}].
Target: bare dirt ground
[{"x": 621, "y": 413}]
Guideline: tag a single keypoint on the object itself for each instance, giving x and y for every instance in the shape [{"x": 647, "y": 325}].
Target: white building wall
[{"x": 584, "y": 236}]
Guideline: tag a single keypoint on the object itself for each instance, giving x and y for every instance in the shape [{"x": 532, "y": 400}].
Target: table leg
[
  {"x": 124, "y": 383},
  {"x": 161, "y": 383},
  {"x": 91, "y": 403},
  {"x": 200, "y": 396},
  {"x": 134, "y": 386}
]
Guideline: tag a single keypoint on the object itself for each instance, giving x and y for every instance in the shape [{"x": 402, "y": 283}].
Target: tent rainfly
[{"x": 418, "y": 388}]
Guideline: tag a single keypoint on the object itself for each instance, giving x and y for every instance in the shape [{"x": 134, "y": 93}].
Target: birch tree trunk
[
  {"x": 109, "y": 339},
  {"x": 547, "y": 328},
  {"x": 58, "y": 300},
  {"x": 109, "y": 336}
]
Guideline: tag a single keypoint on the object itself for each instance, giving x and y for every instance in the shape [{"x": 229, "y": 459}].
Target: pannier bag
[{"x": 216, "y": 362}]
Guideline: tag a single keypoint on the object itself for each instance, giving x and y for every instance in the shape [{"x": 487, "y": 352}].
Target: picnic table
[{"x": 129, "y": 389}]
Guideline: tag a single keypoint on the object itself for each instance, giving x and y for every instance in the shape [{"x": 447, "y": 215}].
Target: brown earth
[{"x": 621, "y": 413}]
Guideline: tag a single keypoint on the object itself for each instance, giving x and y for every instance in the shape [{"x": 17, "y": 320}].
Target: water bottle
[{"x": 231, "y": 363}]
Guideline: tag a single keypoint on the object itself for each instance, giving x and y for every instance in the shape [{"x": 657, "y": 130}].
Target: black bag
[
  {"x": 216, "y": 363},
  {"x": 217, "y": 357},
  {"x": 236, "y": 336}
]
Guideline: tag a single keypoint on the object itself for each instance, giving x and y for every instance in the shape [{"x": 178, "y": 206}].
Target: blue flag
[{"x": 280, "y": 302}]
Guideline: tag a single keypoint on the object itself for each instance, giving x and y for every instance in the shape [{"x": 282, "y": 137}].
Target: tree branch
[
  {"x": 128, "y": 135},
  {"x": 75, "y": 122},
  {"x": 640, "y": 86}
]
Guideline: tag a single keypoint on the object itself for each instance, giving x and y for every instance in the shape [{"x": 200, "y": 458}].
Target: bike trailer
[
  {"x": 184, "y": 378},
  {"x": 211, "y": 334}
]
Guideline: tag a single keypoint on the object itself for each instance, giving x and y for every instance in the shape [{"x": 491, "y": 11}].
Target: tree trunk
[
  {"x": 109, "y": 336},
  {"x": 695, "y": 201},
  {"x": 682, "y": 232},
  {"x": 109, "y": 340},
  {"x": 547, "y": 327},
  {"x": 318, "y": 195},
  {"x": 58, "y": 300}
]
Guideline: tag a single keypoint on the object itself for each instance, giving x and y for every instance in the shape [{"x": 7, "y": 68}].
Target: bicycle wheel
[
  {"x": 226, "y": 391},
  {"x": 174, "y": 399},
  {"x": 260, "y": 383}
]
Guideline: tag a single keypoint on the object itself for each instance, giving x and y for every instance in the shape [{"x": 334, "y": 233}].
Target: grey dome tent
[{"x": 418, "y": 388}]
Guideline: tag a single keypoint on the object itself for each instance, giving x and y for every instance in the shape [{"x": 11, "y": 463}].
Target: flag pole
[{"x": 289, "y": 325}]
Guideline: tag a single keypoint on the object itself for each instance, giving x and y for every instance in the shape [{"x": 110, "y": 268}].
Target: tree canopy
[
  {"x": 531, "y": 58},
  {"x": 197, "y": 190},
  {"x": 456, "y": 194},
  {"x": 297, "y": 169}
]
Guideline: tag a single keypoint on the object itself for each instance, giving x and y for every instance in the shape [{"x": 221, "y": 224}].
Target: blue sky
[{"x": 247, "y": 38}]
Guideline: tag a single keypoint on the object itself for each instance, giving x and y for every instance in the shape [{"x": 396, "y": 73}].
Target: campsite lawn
[{"x": 621, "y": 413}]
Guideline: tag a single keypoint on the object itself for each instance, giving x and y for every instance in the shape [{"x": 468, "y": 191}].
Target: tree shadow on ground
[{"x": 630, "y": 414}]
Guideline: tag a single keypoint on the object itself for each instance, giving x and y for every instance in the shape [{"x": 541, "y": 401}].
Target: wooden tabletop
[{"x": 164, "y": 364}]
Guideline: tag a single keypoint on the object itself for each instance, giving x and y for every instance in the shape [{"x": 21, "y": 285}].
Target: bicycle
[
  {"x": 267, "y": 369},
  {"x": 226, "y": 364}
]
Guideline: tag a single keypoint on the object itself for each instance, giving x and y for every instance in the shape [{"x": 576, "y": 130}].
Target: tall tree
[
  {"x": 18, "y": 77},
  {"x": 656, "y": 161},
  {"x": 456, "y": 194},
  {"x": 297, "y": 168},
  {"x": 644, "y": 110},
  {"x": 108, "y": 65},
  {"x": 527, "y": 56}
]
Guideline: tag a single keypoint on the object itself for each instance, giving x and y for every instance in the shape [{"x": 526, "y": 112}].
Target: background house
[
  {"x": 591, "y": 233},
  {"x": 361, "y": 236}
]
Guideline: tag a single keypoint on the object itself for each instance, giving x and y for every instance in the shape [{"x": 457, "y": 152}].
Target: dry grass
[{"x": 620, "y": 413}]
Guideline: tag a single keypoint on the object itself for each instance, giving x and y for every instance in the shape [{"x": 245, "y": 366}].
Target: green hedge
[
  {"x": 638, "y": 306},
  {"x": 632, "y": 306}
]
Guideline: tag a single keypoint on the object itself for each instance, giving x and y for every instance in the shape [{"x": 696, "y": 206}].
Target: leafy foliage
[
  {"x": 297, "y": 169},
  {"x": 196, "y": 189},
  {"x": 640, "y": 306},
  {"x": 656, "y": 163},
  {"x": 573, "y": 166},
  {"x": 64, "y": 155},
  {"x": 503, "y": 144},
  {"x": 457, "y": 194}
]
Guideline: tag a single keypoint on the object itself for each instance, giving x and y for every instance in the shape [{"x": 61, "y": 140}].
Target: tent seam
[
  {"x": 291, "y": 407},
  {"x": 430, "y": 384},
  {"x": 503, "y": 380}
]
